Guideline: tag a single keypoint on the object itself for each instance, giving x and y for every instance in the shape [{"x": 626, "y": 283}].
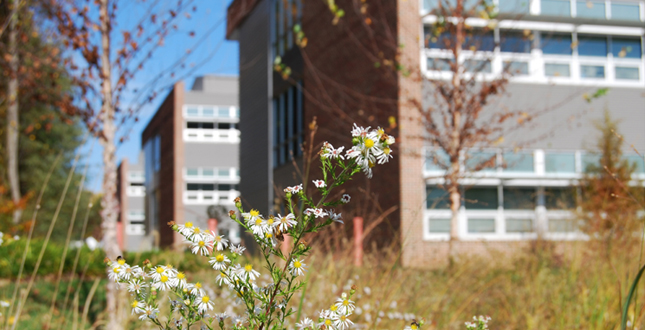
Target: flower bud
[
  {"x": 238, "y": 202},
  {"x": 289, "y": 195},
  {"x": 175, "y": 227},
  {"x": 231, "y": 214},
  {"x": 356, "y": 140}
]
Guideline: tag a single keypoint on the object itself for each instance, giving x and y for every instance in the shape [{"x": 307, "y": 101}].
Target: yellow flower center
[
  {"x": 248, "y": 268},
  {"x": 218, "y": 238},
  {"x": 181, "y": 276},
  {"x": 343, "y": 318},
  {"x": 159, "y": 270},
  {"x": 369, "y": 143},
  {"x": 333, "y": 308},
  {"x": 189, "y": 225},
  {"x": 370, "y": 164},
  {"x": 201, "y": 243},
  {"x": 115, "y": 269},
  {"x": 198, "y": 285},
  {"x": 258, "y": 222},
  {"x": 270, "y": 221},
  {"x": 297, "y": 264},
  {"x": 135, "y": 304},
  {"x": 254, "y": 213},
  {"x": 327, "y": 322},
  {"x": 381, "y": 132},
  {"x": 164, "y": 279},
  {"x": 219, "y": 258},
  {"x": 205, "y": 299},
  {"x": 345, "y": 302},
  {"x": 121, "y": 262},
  {"x": 268, "y": 235},
  {"x": 387, "y": 151},
  {"x": 196, "y": 230},
  {"x": 414, "y": 326}
]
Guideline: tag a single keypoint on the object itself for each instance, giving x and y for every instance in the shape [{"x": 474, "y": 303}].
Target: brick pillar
[
  {"x": 119, "y": 234},
  {"x": 285, "y": 246},
  {"x": 212, "y": 226},
  {"x": 358, "y": 241},
  {"x": 409, "y": 29}
]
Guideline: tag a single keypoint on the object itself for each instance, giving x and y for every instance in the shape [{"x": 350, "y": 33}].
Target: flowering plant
[{"x": 266, "y": 306}]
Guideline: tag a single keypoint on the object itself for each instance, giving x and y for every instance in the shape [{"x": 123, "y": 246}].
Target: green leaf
[{"x": 623, "y": 322}]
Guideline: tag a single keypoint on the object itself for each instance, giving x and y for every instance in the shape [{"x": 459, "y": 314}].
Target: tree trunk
[
  {"x": 109, "y": 202},
  {"x": 12, "y": 115},
  {"x": 455, "y": 136}
]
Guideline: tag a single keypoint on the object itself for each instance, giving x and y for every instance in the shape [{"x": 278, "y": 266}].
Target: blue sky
[{"x": 214, "y": 55}]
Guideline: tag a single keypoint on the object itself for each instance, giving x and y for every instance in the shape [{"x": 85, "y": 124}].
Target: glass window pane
[
  {"x": 208, "y": 186},
  {"x": 627, "y": 73},
  {"x": 192, "y": 172},
  {"x": 514, "y": 6},
  {"x": 481, "y": 225},
  {"x": 556, "y": 70},
  {"x": 437, "y": 198},
  {"x": 518, "y": 161},
  {"x": 622, "y": 47},
  {"x": 590, "y": 9},
  {"x": 208, "y": 172},
  {"x": 439, "y": 225},
  {"x": 555, "y": 7},
  {"x": 437, "y": 160},
  {"x": 441, "y": 41},
  {"x": 590, "y": 161},
  {"x": 517, "y": 68},
  {"x": 625, "y": 11},
  {"x": 223, "y": 112},
  {"x": 560, "y": 163},
  {"x": 439, "y": 64},
  {"x": 481, "y": 198},
  {"x": 562, "y": 225},
  {"x": 559, "y": 198},
  {"x": 484, "y": 161},
  {"x": 592, "y": 46},
  {"x": 478, "y": 40},
  {"x": 192, "y": 186},
  {"x": 192, "y": 112},
  {"x": 223, "y": 187},
  {"x": 519, "y": 225},
  {"x": 519, "y": 198},
  {"x": 556, "y": 44},
  {"x": 478, "y": 66},
  {"x": 592, "y": 71},
  {"x": 223, "y": 172},
  {"x": 514, "y": 42},
  {"x": 208, "y": 112},
  {"x": 637, "y": 161}
]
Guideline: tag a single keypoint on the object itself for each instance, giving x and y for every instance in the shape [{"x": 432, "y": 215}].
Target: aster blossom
[{"x": 319, "y": 184}]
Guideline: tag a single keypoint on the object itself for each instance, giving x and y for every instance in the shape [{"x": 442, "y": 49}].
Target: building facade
[
  {"x": 131, "y": 193},
  {"x": 560, "y": 52},
  {"x": 191, "y": 155}
]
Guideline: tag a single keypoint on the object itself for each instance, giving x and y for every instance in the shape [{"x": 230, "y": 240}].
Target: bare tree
[{"x": 12, "y": 113}]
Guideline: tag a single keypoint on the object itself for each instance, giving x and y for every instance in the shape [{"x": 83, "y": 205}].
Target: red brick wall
[{"x": 165, "y": 123}]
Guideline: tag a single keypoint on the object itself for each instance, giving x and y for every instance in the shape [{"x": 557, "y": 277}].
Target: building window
[
  {"x": 439, "y": 226},
  {"x": 559, "y": 198},
  {"x": 625, "y": 11},
  {"x": 439, "y": 64},
  {"x": 516, "y": 68},
  {"x": 559, "y": 162},
  {"x": 437, "y": 198},
  {"x": 556, "y": 44},
  {"x": 592, "y": 71},
  {"x": 519, "y": 198},
  {"x": 481, "y": 225},
  {"x": 637, "y": 161},
  {"x": 287, "y": 13},
  {"x": 514, "y": 6},
  {"x": 623, "y": 47},
  {"x": 555, "y": 7},
  {"x": 557, "y": 70},
  {"x": 478, "y": 66},
  {"x": 514, "y": 42},
  {"x": 592, "y": 46},
  {"x": 287, "y": 125},
  {"x": 518, "y": 162},
  {"x": 590, "y": 9},
  {"x": 481, "y": 198},
  {"x": 627, "y": 73},
  {"x": 519, "y": 225},
  {"x": 485, "y": 161}
]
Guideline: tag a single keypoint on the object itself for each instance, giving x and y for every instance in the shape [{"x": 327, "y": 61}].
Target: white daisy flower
[
  {"x": 385, "y": 155},
  {"x": 114, "y": 272},
  {"x": 344, "y": 305},
  {"x": 286, "y": 222},
  {"x": 239, "y": 321},
  {"x": 136, "y": 286},
  {"x": 179, "y": 281},
  {"x": 149, "y": 313},
  {"x": 341, "y": 322},
  {"x": 336, "y": 217},
  {"x": 170, "y": 270},
  {"x": 346, "y": 198},
  {"x": 196, "y": 234},
  {"x": 359, "y": 131},
  {"x": 138, "y": 272},
  {"x": 297, "y": 268},
  {"x": 4, "y": 303},
  {"x": 138, "y": 307},
  {"x": 239, "y": 249},
  {"x": 306, "y": 323},
  {"x": 319, "y": 184},
  {"x": 222, "y": 279},
  {"x": 248, "y": 270},
  {"x": 163, "y": 284},
  {"x": 258, "y": 226},
  {"x": 251, "y": 216},
  {"x": 195, "y": 289},
  {"x": 294, "y": 190},
  {"x": 220, "y": 262},
  {"x": 326, "y": 317},
  {"x": 318, "y": 213},
  {"x": 156, "y": 273},
  {"x": 269, "y": 236},
  {"x": 221, "y": 317},
  {"x": 220, "y": 242},
  {"x": 271, "y": 223},
  {"x": 202, "y": 246},
  {"x": 204, "y": 304},
  {"x": 185, "y": 229}
]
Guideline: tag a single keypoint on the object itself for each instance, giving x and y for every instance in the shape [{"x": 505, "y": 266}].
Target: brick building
[
  {"x": 575, "y": 48},
  {"x": 131, "y": 193},
  {"x": 190, "y": 148}
]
